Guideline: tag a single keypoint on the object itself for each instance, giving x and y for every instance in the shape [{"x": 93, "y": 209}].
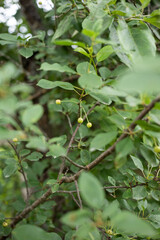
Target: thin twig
[
  {"x": 112, "y": 148},
  {"x": 78, "y": 194},
  {"x": 85, "y": 6},
  {"x": 75, "y": 200},
  {"x": 55, "y": 9},
  {"x": 73, "y": 136},
  {"x": 73, "y": 163},
  {"x": 21, "y": 170},
  {"x": 69, "y": 122},
  {"x": 78, "y": 126},
  {"x": 44, "y": 197}
]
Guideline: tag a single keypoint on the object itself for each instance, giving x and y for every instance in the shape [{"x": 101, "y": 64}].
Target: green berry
[
  {"x": 5, "y": 224},
  {"x": 80, "y": 120},
  {"x": 15, "y": 139},
  {"x": 89, "y": 124},
  {"x": 109, "y": 232},
  {"x": 58, "y": 101},
  {"x": 157, "y": 149}
]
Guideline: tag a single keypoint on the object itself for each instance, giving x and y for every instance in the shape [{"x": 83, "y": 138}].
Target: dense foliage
[{"x": 80, "y": 120}]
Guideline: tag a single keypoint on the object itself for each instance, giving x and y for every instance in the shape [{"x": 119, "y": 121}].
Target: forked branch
[{"x": 66, "y": 179}]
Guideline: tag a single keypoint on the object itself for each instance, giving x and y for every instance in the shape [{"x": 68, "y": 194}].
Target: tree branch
[
  {"x": 79, "y": 197},
  {"x": 31, "y": 13},
  {"x": 73, "y": 163},
  {"x": 112, "y": 148},
  {"x": 44, "y": 197}
]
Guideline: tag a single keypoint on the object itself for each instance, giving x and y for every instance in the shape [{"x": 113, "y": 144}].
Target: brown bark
[{"x": 31, "y": 14}]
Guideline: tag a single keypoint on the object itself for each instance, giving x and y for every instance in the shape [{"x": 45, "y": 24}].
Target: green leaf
[
  {"x": 9, "y": 134},
  {"x": 155, "y": 13},
  {"x": 82, "y": 51},
  {"x": 155, "y": 194},
  {"x": 105, "y": 94},
  {"x": 56, "y": 151},
  {"x": 155, "y": 21},
  {"x": 32, "y": 114},
  {"x": 54, "y": 185},
  {"x": 69, "y": 235},
  {"x": 118, "y": 48},
  {"x": 118, "y": 120},
  {"x": 10, "y": 169},
  {"x": 104, "y": 72},
  {"x": 85, "y": 156},
  {"x": 38, "y": 143},
  {"x": 139, "y": 79},
  {"x": 52, "y": 235},
  {"x": 148, "y": 126},
  {"x": 139, "y": 192},
  {"x": 129, "y": 223},
  {"x": 155, "y": 218},
  {"x": 112, "y": 180},
  {"x": 56, "y": 67},
  {"x": 137, "y": 163},
  {"x": 93, "y": 196},
  {"x": 124, "y": 147},
  {"x": 63, "y": 26},
  {"x": 26, "y": 52},
  {"x": 119, "y": 13},
  {"x": 110, "y": 210},
  {"x": 8, "y": 37},
  {"x": 145, "y": 42},
  {"x": 145, "y": 3},
  {"x": 3, "y": 42},
  {"x": 136, "y": 42},
  {"x": 28, "y": 231},
  {"x": 85, "y": 67},
  {"x": 101, "y": 140},
  {"x": 100, "y": 96},
  {"x": 126, "y": 39},
  {"x": 34, "y": 156},
  {"x": 32, "y": 232},
  {"x": 59, "y": 140},
  {"x": 87, "y": 231},
  {"x": 76, "y": 218},
  {"x": 149, "y": 155},
  {"x": 89, "y": 81},
  {"x": 68, "y": 42},
  {"x": 50, "y": 85},
  {"x": 104, "y": 53}
]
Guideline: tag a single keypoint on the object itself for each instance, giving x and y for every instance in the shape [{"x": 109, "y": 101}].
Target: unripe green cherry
[
  {"x": 5, "y": 224},
  {"x": 58, "y": 101},
  {"x": 89, "y": 124},
  {"x": 80, "y": 120},
  {"x": 157, "y": 149},
  {"x": 110, "y": 232},
  {"x": 15, "y": 139}
]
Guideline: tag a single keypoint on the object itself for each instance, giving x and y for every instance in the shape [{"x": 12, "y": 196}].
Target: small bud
[
  {"x": 40, "y": 3},
  {"x": 5, "y": 224},
  {"x": 15, "y": 139},
  {"x": 80, "y": 120},
  {"x": 89, "y": 124},
  {"x": 58, "y": 101}
]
